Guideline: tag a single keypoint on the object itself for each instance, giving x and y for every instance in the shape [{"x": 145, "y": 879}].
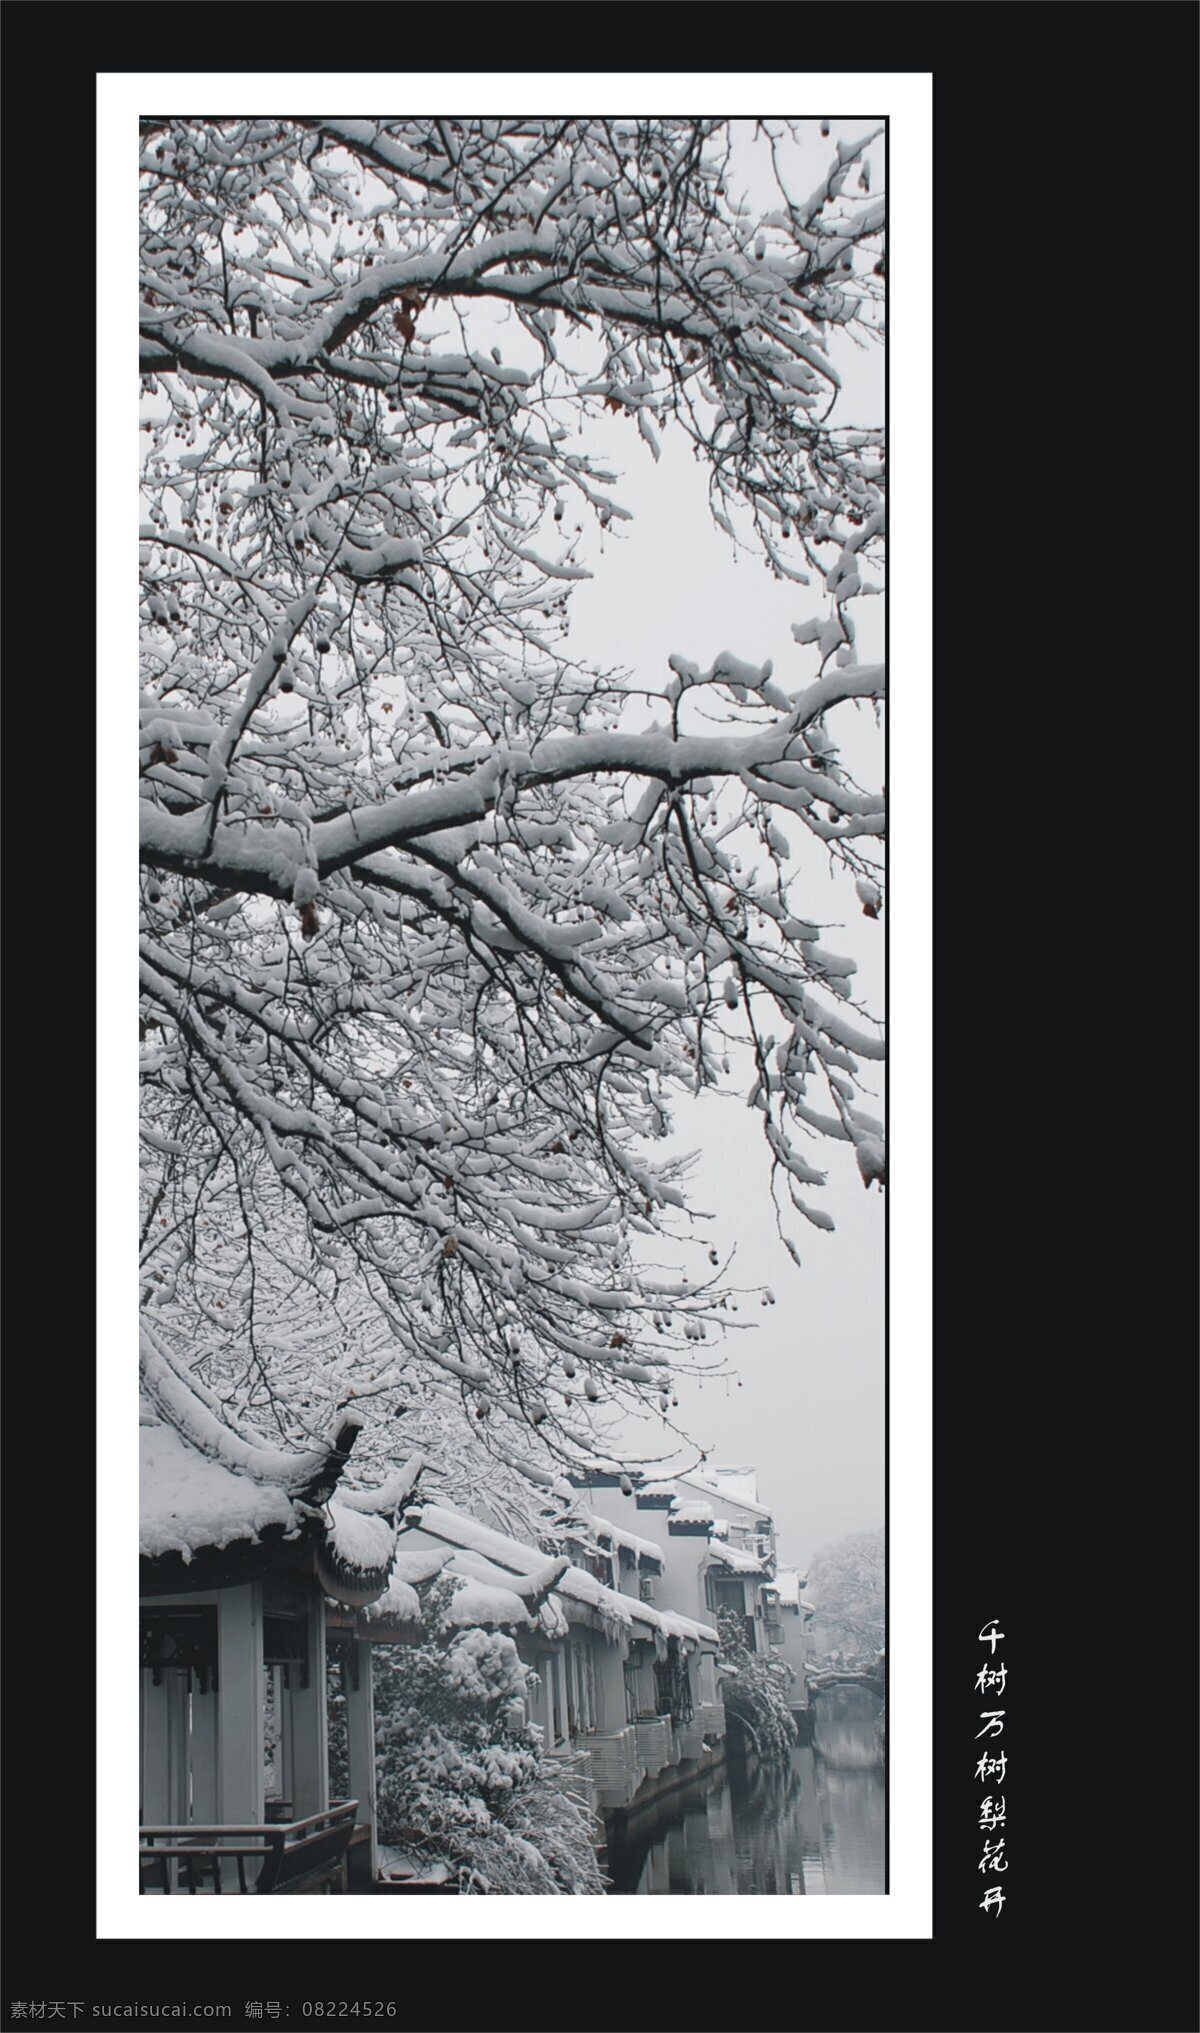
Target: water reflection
[{"x": 816, "y": 1827}]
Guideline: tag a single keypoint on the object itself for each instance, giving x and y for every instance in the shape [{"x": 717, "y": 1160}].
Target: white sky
[{"x": 809, "y": 1412}]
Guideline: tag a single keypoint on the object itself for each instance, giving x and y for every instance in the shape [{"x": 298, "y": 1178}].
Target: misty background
[{"x": 809, "y": 1412}]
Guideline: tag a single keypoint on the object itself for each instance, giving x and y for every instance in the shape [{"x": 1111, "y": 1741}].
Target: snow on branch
[{"x": 436, "y": 919}]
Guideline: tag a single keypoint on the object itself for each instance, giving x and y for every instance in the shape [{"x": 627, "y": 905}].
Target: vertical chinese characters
[{"x": 991, "y": 1680}]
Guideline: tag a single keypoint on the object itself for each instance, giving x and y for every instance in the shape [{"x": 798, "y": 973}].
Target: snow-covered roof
[
  {"x": 398, "y": 1603},
  {"x": 391, "y": 1496},
  {"x": 677, "y": 1626},
  {"x": 484, "y": 1593},
  {"x": 734, "y": 1558},
  {"x": 189, "y": 1500},
  {"x": 459, "y": 1530},
  {"x": 735, "y": 1485},
  {"x": 644, "y": 1550},
  {"x": 533, "y": 1590},
  {"x": 524, "y": 1561},
  {"x": 208, "y": 1486},
  {"x": 359, "y": 1540},
  {"x": 691, "y": 1514},
  {"x": 477, "y": 1602},
  {"x": 195, "y": 1504},
  {"x": 616, "y": 1612},
  {"x": 737, "y": 1482},
  {"x": 207, "y": 1428},
  {"x": 788, "y": 1583},
  {"x": 415, "y": 1564}
]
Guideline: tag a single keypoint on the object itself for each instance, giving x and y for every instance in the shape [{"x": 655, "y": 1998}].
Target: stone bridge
[{"x": 872, "y": 1678}]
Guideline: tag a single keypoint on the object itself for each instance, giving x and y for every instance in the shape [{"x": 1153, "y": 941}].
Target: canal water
[{"x": 815, "y": 1827}]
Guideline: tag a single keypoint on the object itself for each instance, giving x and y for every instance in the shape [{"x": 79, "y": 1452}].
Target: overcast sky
[
  {"x": 809, "y": 1412},
  {"x": 809, "y": 1408}
]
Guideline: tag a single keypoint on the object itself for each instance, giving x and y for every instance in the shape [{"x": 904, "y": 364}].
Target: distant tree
[
  {"x": 434, "y": 918},
  {"x": 847, "y": 1582}
]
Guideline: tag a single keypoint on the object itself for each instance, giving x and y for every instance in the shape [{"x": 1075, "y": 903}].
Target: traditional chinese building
[
  {"x": 245, "y": 1550},
  {"x": 717, "y": 1542},
  {"x": 625, "y": 1687},
  {"x": 794, "y": 1615}
]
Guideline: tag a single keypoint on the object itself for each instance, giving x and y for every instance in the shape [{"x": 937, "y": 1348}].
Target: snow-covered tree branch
[{"x": 434, "y": 916}]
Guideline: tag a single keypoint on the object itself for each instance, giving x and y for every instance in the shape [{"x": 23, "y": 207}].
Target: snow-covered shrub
[
  {"x": 757, "y": 1693},
  {"x": 460, "y": 1774}
]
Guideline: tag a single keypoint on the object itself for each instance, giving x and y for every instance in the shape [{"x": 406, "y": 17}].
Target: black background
[{"x": 1065, "y": 1352}]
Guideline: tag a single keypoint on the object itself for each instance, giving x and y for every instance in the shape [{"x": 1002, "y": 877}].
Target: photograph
[
  {"x": 564, "y": 1474},
  {"x": 512, "y": 532}
]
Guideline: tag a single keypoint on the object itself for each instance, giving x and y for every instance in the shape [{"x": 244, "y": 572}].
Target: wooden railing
[{"x": 289, "y": 1856}]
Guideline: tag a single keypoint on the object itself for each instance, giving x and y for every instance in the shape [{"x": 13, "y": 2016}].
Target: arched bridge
[{"x": 872, "y": 1678}]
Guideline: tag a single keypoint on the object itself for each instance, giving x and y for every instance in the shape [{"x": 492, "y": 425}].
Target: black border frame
[{"x": 1064, "y": 1463}]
